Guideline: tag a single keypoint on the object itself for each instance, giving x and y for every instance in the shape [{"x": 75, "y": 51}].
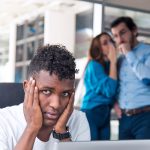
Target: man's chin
[{"x": 49, "y": 123}]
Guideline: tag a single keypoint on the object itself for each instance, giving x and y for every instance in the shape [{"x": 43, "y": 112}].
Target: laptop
[{"x": 104, "y": 145}]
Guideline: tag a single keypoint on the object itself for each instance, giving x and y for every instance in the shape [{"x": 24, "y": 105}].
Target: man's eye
[
  {"x": 115, "y": 36},
  {"x": 46, "y": 92},
  {"x": 65, "y": 94},
  {"x": 123, "y": 32}
]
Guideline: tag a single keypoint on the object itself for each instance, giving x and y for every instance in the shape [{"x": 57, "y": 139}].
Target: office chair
[{"x": 11, "y": 94}]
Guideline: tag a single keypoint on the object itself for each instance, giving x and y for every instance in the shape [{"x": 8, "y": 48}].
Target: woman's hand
[{"x": 112, "y": 55}]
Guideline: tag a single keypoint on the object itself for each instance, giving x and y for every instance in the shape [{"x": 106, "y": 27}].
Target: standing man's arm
[{"x": 141, "y": 67}]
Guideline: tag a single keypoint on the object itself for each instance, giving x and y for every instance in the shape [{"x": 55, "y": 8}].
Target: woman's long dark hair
[{"x": 95, "y": 51}]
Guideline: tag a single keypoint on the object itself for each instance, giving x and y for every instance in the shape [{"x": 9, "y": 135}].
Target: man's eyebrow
[
  {"x": 69, "y": 90},
  {"x": 122, "y": 30},
  {"x": 52, "y": 88},
  {"x": 47, "y": 88}
]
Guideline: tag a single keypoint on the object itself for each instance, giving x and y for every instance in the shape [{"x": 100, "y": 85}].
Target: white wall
[
  {"x": 97, "y": 19},
  {"x": 8, "y": 70}
]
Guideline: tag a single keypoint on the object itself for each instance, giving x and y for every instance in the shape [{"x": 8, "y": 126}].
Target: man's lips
[{"x": 49, "y": 115}]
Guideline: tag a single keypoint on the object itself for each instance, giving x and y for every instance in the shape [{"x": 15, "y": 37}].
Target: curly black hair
[{"x": 54, "y": 59}]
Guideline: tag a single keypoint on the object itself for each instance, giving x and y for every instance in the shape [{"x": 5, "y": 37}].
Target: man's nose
[
  {"x": 55, "y": 102},
  {"x": 119, "y": 40}
]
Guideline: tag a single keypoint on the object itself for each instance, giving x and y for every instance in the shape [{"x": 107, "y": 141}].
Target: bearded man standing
[{"x": 134, "y": 80}]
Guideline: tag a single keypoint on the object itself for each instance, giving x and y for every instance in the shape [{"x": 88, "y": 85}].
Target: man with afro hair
[{"x": 47, "y": 114}]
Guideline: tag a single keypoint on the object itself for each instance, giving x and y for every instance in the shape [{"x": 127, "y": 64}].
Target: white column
[
  {"x": 97, "y": 19},
  {"x": 60, "y": 29}
]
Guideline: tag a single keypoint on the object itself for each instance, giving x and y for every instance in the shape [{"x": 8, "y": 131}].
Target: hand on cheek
[
  {"x": 62, "y": 121},
  {"x": 32, "y": 110}
]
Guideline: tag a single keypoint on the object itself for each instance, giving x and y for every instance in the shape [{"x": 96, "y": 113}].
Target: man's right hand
[
  {"x": 33, "y": 116},
  {"x": 31, "y": 107},
  {"x": 124, "y": 48},
  {"x": 117, "y": 110}
]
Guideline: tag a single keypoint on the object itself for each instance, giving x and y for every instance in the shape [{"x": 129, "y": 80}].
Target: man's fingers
[
  {"x": 71, "y": 103},
  {"x": 72, "y": 99},
  {"x": 36, "y": 98},
  {"x": 27, "y": 92},
  {"x": 31, "y": 93}
]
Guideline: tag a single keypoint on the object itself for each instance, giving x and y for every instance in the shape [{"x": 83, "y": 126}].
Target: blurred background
[{"x": 25, "y": 25}]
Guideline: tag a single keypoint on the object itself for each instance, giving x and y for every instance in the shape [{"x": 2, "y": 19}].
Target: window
[{"x": 140, "y": 18}]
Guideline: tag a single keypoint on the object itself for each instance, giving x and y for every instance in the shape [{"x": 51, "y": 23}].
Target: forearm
[
  {"x": 140, "y": 67},
  {"x": 27, "y": 140},
  {"x": 106, "y": 84}
]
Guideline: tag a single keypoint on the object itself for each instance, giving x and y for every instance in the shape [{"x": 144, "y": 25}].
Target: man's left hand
[{"x": 60, "y": 126}]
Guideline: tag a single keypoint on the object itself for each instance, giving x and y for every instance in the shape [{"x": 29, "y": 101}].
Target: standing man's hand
[
  {"x": 117, "y": 110},
  {"x": 124, "y": 48},
  {"x": 60, "y": 126}
]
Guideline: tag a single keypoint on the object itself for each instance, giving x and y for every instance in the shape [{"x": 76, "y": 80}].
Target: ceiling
[
  {"x": 20, "y": 10},
  {"x": 143, "y": 5},
  {"x": 11, "y": 10}
]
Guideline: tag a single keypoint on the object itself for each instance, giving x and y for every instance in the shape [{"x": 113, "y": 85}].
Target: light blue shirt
[
  {"x": 134, "y": 78},
  {"x": 100, "y": 88}
]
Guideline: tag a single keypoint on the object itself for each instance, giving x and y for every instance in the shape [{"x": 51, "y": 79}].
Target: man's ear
[{"x": 25, "y": 84}]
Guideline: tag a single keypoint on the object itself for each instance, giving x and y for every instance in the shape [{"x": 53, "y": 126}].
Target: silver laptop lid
[{"x": 104, "y": 145}]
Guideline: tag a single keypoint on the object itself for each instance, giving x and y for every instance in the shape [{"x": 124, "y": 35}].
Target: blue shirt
[
  {"x": 134, "y": 78},
  {"x": 100, "y": 88}
]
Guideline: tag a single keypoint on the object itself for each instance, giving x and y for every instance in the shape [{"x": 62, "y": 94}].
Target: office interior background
[{"x": 27, "y": 24}]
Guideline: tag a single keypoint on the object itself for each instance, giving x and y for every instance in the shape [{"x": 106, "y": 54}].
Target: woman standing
[{"x": 100, "y": 79}]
